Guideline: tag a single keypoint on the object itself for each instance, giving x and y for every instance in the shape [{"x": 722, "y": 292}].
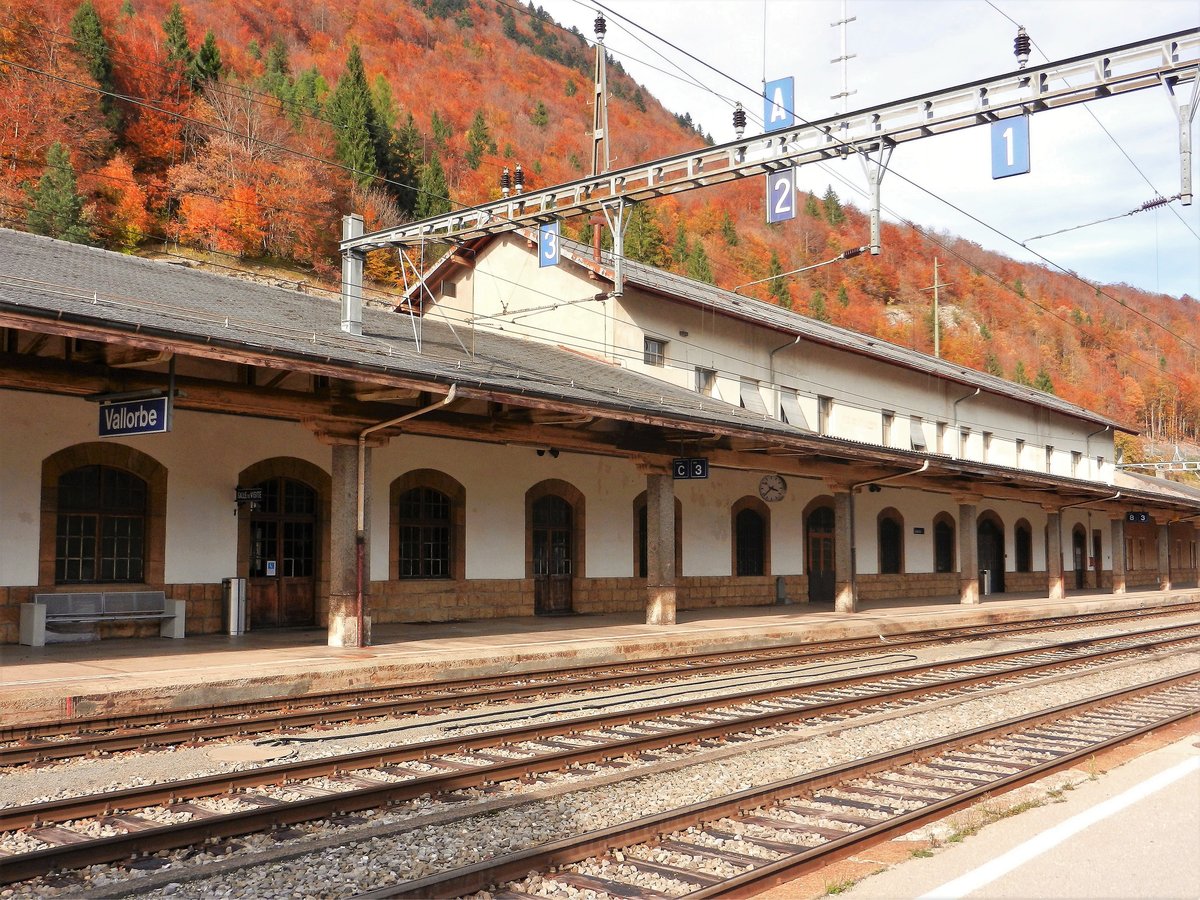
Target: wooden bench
[{"x": 47, "y": 610}]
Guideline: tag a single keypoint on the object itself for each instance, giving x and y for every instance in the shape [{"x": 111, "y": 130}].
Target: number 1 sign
[{"x": 1010, "y": 147}]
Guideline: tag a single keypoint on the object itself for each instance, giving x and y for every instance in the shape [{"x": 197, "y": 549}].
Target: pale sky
[{"x": 908, "y": 47}]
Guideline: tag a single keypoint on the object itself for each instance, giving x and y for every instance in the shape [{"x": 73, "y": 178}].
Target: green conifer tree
[
  {"x": 206, "y": 64},
  {"x": 729, "y": 230},
  {"x": 352, "y": 111},
  {"x": 56, "y": 208},
  {"x": 91, "y": 44},
  {"x": 817, "y": 308},
  {"x": 178, "y": 48},
  {"x": 406, "y": 165},
  {"x": 992, "y": 366},
  {"x": 644, "y": 239},
  {"x": 698, "y": 266},
  {"x": 843, "y": 296},
  {"x": 834, "y": 214},
  {"x": 776, "y": 287},
  {"x": 681, "y": 252},
  {"x": 434, "y": 195},
  {"x": 1020, "y": 376},
  {"x": 479, "y": 141},
  {"x": 810, "y": 206},
  {"x": 1043, "y": 382},
  {"x": 540, "y": 116}
]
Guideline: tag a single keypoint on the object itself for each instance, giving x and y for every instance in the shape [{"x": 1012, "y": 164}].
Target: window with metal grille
[
  {"x": 891, "y": 546},
  {"x": 943, "y": 546},
  {"x": 101, "y": 529},
  {"x": 654, "y": 352},
  {"x": 1024, "y": 541},
  {"x": 750, "y": 531},
  {"x": 425, "y": 530}
]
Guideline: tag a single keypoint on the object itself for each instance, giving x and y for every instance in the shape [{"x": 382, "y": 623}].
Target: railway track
[
  {"x": 98, "y": 828},
  {"x": 743, "y": 843},
  {"x": 79, "y": 737}
]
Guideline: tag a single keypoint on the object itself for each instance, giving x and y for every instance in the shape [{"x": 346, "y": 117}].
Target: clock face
[{"x": 772, "y": 488}]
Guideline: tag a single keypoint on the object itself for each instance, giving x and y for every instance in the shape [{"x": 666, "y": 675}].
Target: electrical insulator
[
  {"x": 519, "y": 179},
  {"x": 505, "y": 182},
  {"x": 601, "y": 27},
  {"x": 1021, "y": 48},
  {"x": 739, "y": 121}
]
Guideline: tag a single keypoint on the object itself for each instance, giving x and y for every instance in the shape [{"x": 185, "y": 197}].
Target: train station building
[{"x": 519, "y": 440}]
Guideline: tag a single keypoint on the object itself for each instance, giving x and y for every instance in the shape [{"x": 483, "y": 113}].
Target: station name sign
[{"x": 128, "y": 417}]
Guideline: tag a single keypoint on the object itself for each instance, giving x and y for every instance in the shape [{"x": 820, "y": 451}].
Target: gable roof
[{"x": 681, "y": 289}]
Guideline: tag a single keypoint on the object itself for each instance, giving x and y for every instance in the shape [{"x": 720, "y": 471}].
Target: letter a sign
[{"x": 779, "y": 104}]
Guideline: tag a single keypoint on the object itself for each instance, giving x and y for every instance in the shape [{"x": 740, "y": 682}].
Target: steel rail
[
  {"x": 512, "y": 866},
  {"x": 172, "y": 836},
  {"x": 1130, "y": 67},
  {"x": 98, "y": 734},
  {"x": 213, "y": 785}
]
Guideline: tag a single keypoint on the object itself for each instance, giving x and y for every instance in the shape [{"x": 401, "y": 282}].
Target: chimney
[{"x": 352, "y": 276}]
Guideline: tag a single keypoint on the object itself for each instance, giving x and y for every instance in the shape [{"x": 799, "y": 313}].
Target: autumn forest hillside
[{"x": 244, "y": 131}]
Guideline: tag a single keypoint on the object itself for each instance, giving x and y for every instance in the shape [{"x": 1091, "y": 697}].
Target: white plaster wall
[{"x": 203, "y": 454}]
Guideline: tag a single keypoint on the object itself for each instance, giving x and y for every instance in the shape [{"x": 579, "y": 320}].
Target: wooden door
[
  {"x": 282, "y": 587},
  {"x": 1097, "y": 556},
  {"x": 822, "y": 579},
  {"x": 553, "y": 553},
  {"x": 991, "y": 553},
  {"x": 1079, "y": 556}
]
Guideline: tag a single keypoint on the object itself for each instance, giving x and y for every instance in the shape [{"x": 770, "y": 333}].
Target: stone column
[
  {"x": 968, "y": 552},
  {"x": 343, "y": 546},
  {"x": 1055, "y": 587},
  {"x": 845, "y": 598},
  {"x": 1164, "y": 557},
  {"x": 1118, "y": 554},
  {"x": 660, "y": 548}
]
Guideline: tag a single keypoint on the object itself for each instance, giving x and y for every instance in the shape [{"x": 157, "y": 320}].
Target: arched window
[
  {"x": 751, "y": 537},
  {"x": 425, "y": 527},
  {"x": 943, "y": 543},
  {"x": 641, "y": 544},
  {"x": 427, "y": 515},
  {"x": 891, "y": 542},
  {"x": 101, "y": 527},
  {"x": 1023, "y": 537}
]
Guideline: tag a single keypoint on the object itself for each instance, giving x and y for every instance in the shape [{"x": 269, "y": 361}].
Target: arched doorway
[
  {"x": 991, "y": 551},
  {"x": 1079, "y": 555},
  {"x": 552, "y": 533},
  {"x": 282, "y": 552},
  {"x": 819, "y": 543}
]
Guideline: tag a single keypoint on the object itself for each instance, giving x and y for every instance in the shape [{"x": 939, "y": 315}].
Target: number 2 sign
[
  {"x": 1010, "y": 147},
  {"x": 781, "y": 195}
]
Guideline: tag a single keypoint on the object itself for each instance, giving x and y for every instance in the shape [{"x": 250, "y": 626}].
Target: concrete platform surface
[{"x": 95, "y": 678}]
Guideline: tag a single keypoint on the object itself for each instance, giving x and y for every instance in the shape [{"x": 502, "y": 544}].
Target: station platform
[{"x": 150, "y": 674}]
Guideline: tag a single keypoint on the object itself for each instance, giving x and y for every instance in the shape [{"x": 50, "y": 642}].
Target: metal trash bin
[
  {"x": 985, "y": 582},
  {"x": 233, "y": 604}
]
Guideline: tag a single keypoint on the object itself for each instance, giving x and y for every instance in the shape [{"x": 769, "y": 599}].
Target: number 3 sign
[{"x": 548, "y": 245}]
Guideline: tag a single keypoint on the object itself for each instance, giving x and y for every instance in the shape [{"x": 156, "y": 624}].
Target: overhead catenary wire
[{"x": 168, "y": 112}]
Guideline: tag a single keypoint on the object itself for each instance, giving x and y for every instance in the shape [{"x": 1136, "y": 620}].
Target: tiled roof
[{"x": 46, "y": 277}]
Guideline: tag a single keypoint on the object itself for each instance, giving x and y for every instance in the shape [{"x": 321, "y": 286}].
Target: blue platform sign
[
  {"x": 548, "y": 245},
  {"x": 134, "y": 417},
  {"x": 781, "y": 195},
  {"x": 779, "y": 104},
  {"x": 1010, "y": 147}
]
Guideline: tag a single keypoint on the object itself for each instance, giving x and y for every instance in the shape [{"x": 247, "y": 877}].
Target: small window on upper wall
[
  {"x": 889, "y": 421},
  {"x": 1049, "y": 458},
  {"x": 706, "y": 381},
  {"x": 1076, "y": 461},
  {"x": 654, "y": 352}
]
